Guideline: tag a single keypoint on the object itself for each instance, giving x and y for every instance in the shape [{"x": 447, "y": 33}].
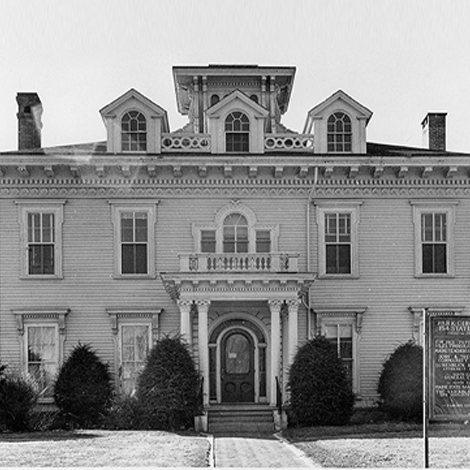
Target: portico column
[
  {"x": 275, "y": 307},
  {"x": 203, "y": 337},
  {"x": 185, "y": 319},
  {"x": 293, "y": 308}
]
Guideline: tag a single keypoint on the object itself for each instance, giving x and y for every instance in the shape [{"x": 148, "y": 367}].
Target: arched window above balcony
[{"x": 235, "y": 234}]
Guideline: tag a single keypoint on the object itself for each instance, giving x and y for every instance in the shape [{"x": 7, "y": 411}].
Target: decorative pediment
[
  {"x": 135, "y": 100},
  {"x": 340, "y": 100},
  {"x": 156, "y": 120},
  {"x": 237, "y": 101},
  {"x": 339, "y": 103}
]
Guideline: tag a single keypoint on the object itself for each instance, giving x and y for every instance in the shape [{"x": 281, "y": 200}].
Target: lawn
[
  {"x": 384, "y": 445},
  {"x": 103, "y": 448}
]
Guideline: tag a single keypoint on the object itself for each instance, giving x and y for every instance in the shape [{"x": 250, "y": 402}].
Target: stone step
[{"x": 224, "y": 419}]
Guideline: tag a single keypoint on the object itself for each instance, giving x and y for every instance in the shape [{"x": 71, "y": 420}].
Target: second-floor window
[
  {"x": 134, "y": 237},
  {"x": 434, "y": 242},
  {"x": 237, "y": 132},
  {"x": 434, "y": 238},
  {"x": 134, "y": 242},
  {"x": 41, "y": 238},
  {"x": 41, "y": 243},
  {"x": 134, "y": 132},
  {"x": 338, "y": 238},
  {"x": 235, "y": 234},
  {"x": 339, "y": 133},
  {"x": 338, "y": 243}
]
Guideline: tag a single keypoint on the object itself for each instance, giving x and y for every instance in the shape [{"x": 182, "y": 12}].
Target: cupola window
[
  {"x": 237, "y": 132},
  {"x": 134, "y": 132},
  {"x": 339, "y": 133}
]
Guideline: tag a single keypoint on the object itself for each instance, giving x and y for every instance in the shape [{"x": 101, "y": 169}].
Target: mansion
[{"x": 243, "y": 236}]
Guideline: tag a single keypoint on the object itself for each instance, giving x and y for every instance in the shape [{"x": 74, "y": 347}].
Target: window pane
[
  {"x": 141, "y": 227},
  {"x": 134, "y": 259},
  {"x": 208, "y": 241},
  {"x": 41, "y": 259},
  {"x": 141, "y": 259},
  {"x": 344, "y": 261},
  {"x": 263, "y": 241}
]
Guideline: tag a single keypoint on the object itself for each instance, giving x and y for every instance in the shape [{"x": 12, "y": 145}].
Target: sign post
[{"x": 425, "y": 390}]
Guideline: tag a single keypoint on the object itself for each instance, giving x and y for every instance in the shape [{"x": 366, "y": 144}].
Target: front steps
[{"x": 241, "y": 418}]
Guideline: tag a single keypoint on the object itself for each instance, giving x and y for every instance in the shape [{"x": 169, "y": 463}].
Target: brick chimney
[
  {"x": 29, "y": 121},
  {"x": 434, "y": 131}
]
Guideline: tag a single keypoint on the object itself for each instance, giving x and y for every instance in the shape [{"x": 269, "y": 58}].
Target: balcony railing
[
  {"x": 186, "y": 142},
  {"x": 199, "y": 143},
  {"x": 291, "y": 142},
  {"x": 238, "y": 262}
]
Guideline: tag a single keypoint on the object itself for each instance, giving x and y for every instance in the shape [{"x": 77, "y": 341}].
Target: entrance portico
[{"x": 243, "y": 329}]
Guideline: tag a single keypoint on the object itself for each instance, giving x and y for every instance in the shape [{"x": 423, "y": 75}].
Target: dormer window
[
  {"x": 339, "y": 133},
  {"x": 134, "y": 132},
  {"x": 237, "y": 132}
]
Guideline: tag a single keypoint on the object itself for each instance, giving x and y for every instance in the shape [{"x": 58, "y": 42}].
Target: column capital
[
  {"x": 203, "y": 303},
  {"x": 184, "y": 304},
  {"x": 293, "y": 304},
  {"x": 275, "y": 305}
]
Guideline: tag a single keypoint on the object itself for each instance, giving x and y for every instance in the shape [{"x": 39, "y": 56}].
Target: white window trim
[
  {"x": 430, "y": 207},
  {"x": 131, "y": 317},
  {"x": 28, "y": 206},
  {"x": 117, "y": 208},
  {"x": 331, "y": 207},
  {"x": 345, "y": 316},
  {"x": 53, "y": 316},
  {"x": 218, "y": 227}
]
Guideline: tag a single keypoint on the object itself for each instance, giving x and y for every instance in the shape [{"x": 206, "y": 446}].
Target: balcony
[
  {"x": 186, "y": 142},
  {"x": 200, "y": 143},
  {"x": 239, "y": 262},
  {"x": 289, "y": 142}
]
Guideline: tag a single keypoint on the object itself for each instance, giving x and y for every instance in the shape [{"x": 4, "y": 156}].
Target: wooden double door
[{"x": 237, "y": 374}]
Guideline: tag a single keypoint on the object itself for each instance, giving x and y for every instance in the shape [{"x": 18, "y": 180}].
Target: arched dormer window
[
  {"x": 237, "y": 132},
  {"x": 339, "y": 133},
  {"x": 134, "y": 132},
  {"x": 235, "y": 234}
]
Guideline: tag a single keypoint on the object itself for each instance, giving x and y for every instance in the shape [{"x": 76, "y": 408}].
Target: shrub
[
  {"x": 168, "y": 387},
  {"x": 320, "y": 392},
  {"x": 124, "y": 413},
  {"x": 401, "y": 383},
  {"x": 83, "y": 390},
  {"x": 17, "y": 401}
]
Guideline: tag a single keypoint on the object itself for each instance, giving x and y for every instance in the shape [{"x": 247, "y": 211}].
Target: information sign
[{"x": 450, "y": 367}]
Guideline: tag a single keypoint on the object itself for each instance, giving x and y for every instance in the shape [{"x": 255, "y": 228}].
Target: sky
[{"x": 399, "y": 58}]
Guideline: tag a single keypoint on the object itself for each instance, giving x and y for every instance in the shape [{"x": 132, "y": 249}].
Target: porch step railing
[{"x": 245, "y": 262}]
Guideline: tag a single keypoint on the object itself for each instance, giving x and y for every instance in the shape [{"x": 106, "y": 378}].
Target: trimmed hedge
[
  {"x": 83, "y": 389},
  {"x": 401, "y": 383},
  {"x": 168, "y": 387},
  {"x": 17, "y": 401},
  {"x": 320, "y": 392}
]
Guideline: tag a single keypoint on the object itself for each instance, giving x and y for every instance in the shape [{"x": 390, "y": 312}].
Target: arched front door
[{"x": 238, "y": 378}]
